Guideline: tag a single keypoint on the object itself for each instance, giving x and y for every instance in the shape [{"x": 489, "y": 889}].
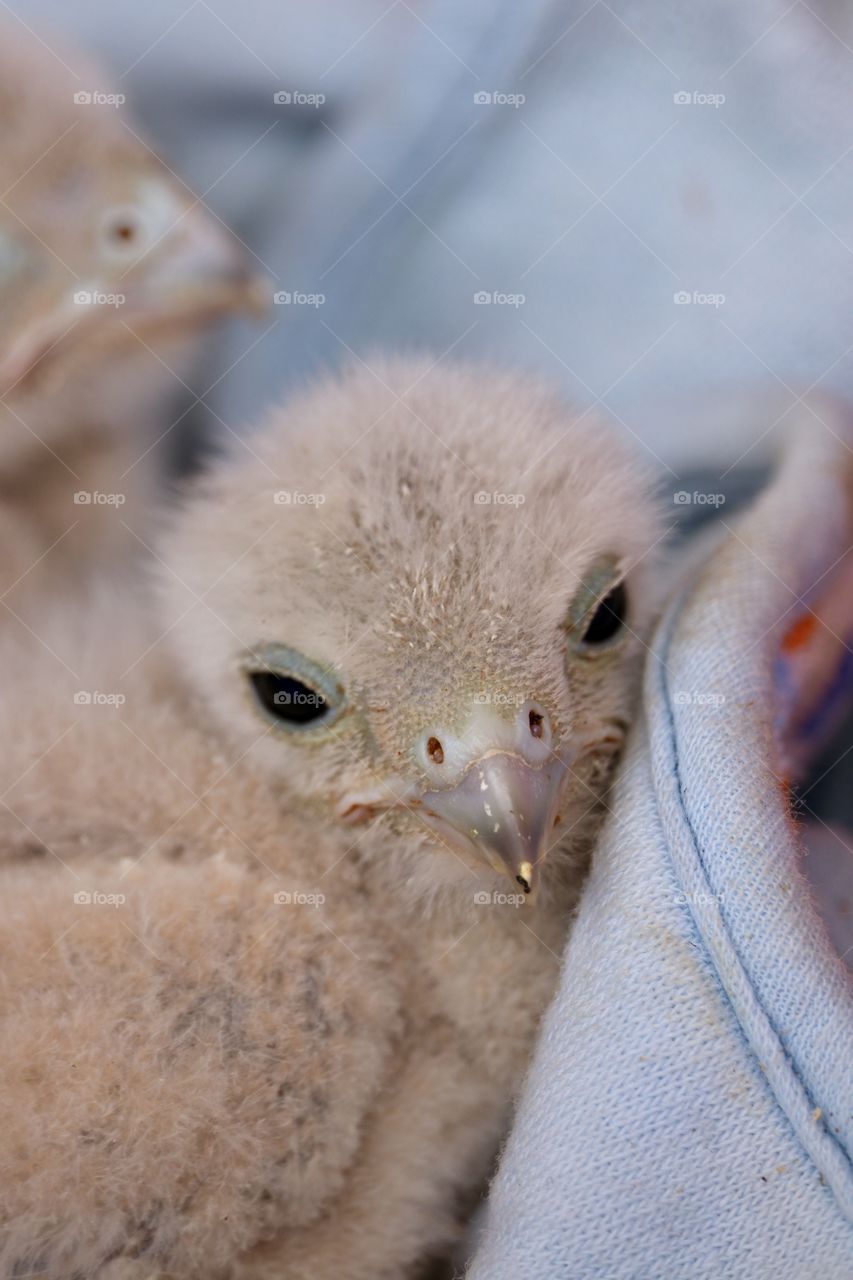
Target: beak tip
[{"x": 524, "y": 876}]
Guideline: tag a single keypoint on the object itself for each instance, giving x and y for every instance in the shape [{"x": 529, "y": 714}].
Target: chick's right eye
[
  {"x": 608, "y": 619},
  {"x": 287, "y": 699},
  {"x": 121, "y": 230}
]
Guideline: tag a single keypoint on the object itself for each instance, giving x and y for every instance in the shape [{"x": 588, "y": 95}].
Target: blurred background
[{"x": 656, "y": 199}]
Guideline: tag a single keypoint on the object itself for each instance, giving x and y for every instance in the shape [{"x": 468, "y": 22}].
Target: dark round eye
[
  {"x": 608, "y": 618},
  {"x": 288, "y": 699},
  {"x": 121, "y": 230}
]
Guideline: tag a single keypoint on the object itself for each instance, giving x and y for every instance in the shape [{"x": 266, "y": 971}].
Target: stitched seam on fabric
[{"x": 811, "y": 1141}]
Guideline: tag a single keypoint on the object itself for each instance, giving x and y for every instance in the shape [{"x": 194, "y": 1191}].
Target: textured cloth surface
[{"x": 689, "y": 1110}]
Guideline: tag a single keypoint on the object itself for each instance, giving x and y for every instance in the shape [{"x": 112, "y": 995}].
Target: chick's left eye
[
  {"x": 288, "y": 699},
  {"x": 123, "y": 231},
  {"x": 608, "y": 618}
]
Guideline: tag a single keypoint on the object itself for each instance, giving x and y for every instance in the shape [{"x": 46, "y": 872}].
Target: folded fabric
[{"x": 689, "y": 1113}]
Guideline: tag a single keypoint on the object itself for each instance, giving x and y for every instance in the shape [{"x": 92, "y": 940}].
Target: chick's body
[{"x": 278, "y": 1032}]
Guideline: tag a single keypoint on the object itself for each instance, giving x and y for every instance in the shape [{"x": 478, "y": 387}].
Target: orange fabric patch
[{"x": 798, "y": 636}]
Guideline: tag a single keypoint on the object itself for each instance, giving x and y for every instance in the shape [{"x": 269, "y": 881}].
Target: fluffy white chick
[
  {"x": 329, "y": 844},
  {"x": 108, "y": 269}
]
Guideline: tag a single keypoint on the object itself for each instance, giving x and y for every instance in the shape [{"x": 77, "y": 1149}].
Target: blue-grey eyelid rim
[
  {"x": 282, "y": 661},
  {"x": 599, "y": 582}
]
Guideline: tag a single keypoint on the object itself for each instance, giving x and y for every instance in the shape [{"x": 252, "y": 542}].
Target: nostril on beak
[
  {"x": 534, "y": 722},
  {"x": 443, "y": 756}
]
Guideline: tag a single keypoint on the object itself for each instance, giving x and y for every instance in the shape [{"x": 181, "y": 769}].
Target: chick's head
[
  {"x": 419, "y": 601},
  {"x": 102, "y": 248}
]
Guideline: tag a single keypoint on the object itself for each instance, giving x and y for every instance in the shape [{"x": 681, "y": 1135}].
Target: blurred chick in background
[{"x": 109, "y": 268}]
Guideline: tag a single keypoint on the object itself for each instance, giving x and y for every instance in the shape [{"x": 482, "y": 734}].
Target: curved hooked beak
[
  {"x": 505, "y": 807},
  {"x": 201, "y": 269}
]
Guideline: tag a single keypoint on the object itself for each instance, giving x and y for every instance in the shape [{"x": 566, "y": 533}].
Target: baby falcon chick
[
  {"x": 108, "y": 267},
  {"x": 326, "y": 850}
]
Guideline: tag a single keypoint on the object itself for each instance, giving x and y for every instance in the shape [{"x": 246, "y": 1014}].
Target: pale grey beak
[
  {"x": 492, "y": 787},
  {"x": 200, "y": 269},
  {"x": 504, "y": 806}
]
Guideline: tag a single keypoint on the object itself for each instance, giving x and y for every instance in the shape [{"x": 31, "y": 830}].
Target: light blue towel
[{"x": 689, "y": 1115}]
